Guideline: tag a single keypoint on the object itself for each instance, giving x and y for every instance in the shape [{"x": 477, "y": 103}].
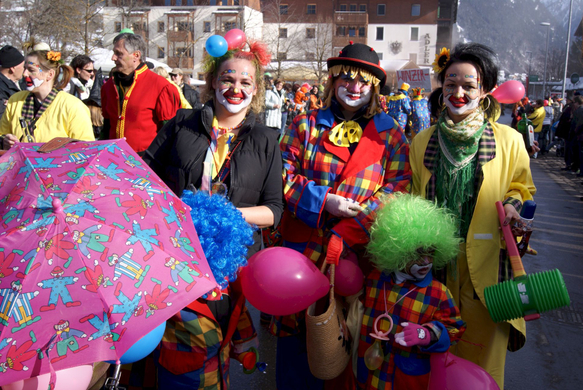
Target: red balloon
[
  {"x": 235, "y": 39},
  {"x": 449, "y": 372},
  {"x": 348, "y": 277},
  {"x": 282, "y": 281},
  {"x": 510, "y": 92}
]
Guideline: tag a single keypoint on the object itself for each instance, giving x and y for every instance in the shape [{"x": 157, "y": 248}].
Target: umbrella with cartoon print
[{"x": 95, "y": 252}]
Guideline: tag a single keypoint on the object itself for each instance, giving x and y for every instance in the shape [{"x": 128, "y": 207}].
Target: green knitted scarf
[{"x": 455, "y": 174}]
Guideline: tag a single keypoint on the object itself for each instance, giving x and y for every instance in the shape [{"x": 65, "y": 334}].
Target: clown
[
  {"x": 420, "y": 119},
  {"x": 399, "y": 105},
  {"x": 338, "y": 160},
  {"x": 409, "y": 237}
]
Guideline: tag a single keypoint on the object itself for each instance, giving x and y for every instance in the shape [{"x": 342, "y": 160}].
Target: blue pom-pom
[{"x": 223, "y": 233}]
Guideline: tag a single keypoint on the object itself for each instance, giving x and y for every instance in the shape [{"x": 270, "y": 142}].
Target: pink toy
[
  {"x": 73, "y": 378},
  {"x": 235, "y": 39},
  {"x": 449, "y": 372},
  {"x": 509, "y": 92},
  {"x": 348, "y": 277}
]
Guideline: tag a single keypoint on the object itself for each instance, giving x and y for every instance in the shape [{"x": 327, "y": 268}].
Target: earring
[
  {"x": 488, "y": 100},
  {"x": 442, "y": 102}
]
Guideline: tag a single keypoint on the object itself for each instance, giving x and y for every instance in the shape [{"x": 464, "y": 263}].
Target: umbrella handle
[
  {"x": 112, "y": 382},
  {"x": 513, "y": 254}
]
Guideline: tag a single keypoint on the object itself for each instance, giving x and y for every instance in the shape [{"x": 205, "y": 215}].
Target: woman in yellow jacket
[
  {"x": 44, "y": 111},
  {"x": 467, "y": 162},
  {"x": 164, "y": 73}
]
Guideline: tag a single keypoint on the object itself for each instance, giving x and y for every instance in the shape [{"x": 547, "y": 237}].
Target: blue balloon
[
  {"x": 143, "y": 347},
  {"x": 216, "y": 46}
]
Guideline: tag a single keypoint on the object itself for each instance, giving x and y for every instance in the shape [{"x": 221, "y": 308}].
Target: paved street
[{"x": 553, "y": 355}]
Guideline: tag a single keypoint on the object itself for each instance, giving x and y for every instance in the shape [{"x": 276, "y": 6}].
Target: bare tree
[
  {"x": 281, "y": 32},
  {"x": 318, "y": 47}
]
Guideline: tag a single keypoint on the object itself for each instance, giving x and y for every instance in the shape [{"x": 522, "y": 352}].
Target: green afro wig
[{"x": 408, "y": 225}]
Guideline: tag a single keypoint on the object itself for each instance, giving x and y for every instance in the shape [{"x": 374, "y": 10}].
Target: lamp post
[
  {"x": 528, "y": 75},
  {"x": 548, "y": 25},
  {"x": 563, "y": 94}
]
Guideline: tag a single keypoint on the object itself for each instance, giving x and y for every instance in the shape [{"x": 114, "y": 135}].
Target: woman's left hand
[{"x": 511, "y": 214}]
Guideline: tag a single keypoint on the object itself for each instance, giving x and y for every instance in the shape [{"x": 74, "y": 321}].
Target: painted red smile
[
  {"x": 458, "y": 102},
  {"x": 353, "y": 96},
  {"x": 234, "y": 98},
  {"x": 28, "y": 81}
]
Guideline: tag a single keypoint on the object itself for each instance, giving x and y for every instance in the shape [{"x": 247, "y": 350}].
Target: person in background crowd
[
  {"x": 11, "y": 70},
  {"x": 466, "y": 163},
  {"x": 563, "y": 130},
  {"x": 191, "y": 95},
  {"x": 546, "y": 136},
  {"x": 314, "y": 102},
  {"x": 338, "y": 161},
  {"x": 300, "y": 99},
  {"x": 44, "y": 111},
  {"x": 159, "y": 70},
  {"x": 575, "y": 139},
  {"x": 135, "y": 102},
  {"x": 273, "y": 105},
  {"x": 419, "y": 112},
  {"x": 285, "y": 104},
  {"x": 400, "y": 105},
  {"x": 537, "y": 117},
  {"x": 82, "y": 82},
  {"x": 221, "y": 149}
]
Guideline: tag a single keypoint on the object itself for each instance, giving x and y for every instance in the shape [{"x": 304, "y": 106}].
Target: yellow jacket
[
  {"x": 66, "y": 116},
  {"x": 183, "y": 102},
  {"x": 506, "y": 175},
  {"x": 537, "y": 118}
]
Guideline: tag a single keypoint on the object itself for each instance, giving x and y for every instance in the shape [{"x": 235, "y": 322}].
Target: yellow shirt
[
  {"x": 537, "y": 118},
  {"x": 66, "y": 116}
]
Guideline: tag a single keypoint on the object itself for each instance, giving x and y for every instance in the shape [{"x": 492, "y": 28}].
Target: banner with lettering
[{"x": 416, "y": 78}]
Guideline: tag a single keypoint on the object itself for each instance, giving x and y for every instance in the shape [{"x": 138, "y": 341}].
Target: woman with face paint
[
  {"x": 44, "y": 111},
  {"x": 224, "y": 149},
  {"x": 338, "y": 160},
  {"x": 466, "y": 163}
]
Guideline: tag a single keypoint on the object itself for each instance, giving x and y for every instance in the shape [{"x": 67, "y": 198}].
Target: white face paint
[
  {"x": 35, "y": 84},
  {"x": 420, "y": 271},
  {"x": 233, "y": 104},
  {"x": 461, "y": 106},
  {"x": 355, "y": 100}
]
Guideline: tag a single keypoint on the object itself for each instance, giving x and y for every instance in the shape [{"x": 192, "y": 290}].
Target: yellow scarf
[{"x": 345, "y": 133}]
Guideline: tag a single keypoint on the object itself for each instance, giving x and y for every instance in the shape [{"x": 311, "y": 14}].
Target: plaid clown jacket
[
  {"x": 426, "y": 302},
  {"x": 314, "y": 167}
]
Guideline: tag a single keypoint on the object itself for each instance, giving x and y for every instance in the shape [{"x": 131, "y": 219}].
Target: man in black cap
[
  {"x": 11, "y": 69},
  {"x": 338, "y": 161}
]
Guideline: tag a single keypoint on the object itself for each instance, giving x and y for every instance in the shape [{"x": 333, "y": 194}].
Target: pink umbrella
[{"x": 95, "y": 252}]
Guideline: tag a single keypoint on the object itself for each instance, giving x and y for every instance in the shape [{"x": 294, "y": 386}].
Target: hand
[
  {"x": 413, "y": 334},
  {"x": 276, "y": 106},
  {"x": 342, "y": 207},
  {"x": 511, "y": 214},
  {"x": 8, "y": 141},
  {"x": 533, "y": 149}
]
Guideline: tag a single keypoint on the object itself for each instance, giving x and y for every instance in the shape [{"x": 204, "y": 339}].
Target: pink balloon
[
  {"x": 282, "y": 281},
  {"x": 449, "y": 372},
  {"x": 235, "y": 38},
  {"x": 73, "y": 378},
  {"x": 348, "y": 277},
  {"x": 510, "y": 92}
]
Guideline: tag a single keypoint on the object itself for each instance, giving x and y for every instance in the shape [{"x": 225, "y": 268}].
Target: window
[
  {"x": 283, "y": 32},
  {"x": 380, "y": 56},
  {"x": 380, "y": 33},
  {"x": 230, "y": 25},
  {"x": 182, "y": 26},
  {"x": 415, "y": 9},
  {"x": 340, "y": 31},
  {"x": 207, "y": 27},
  {"x": 351, "y": 31},
  {"x": 117, "y": 26},
  {"x": 361, "y": 32},
  {"x": 343, "y": 7},
  {"x": 160, "y": 27},
  {"x": 362, "y": 8},
  {"x": 201, "y": 76},
  {"x": 160, "y": 52},
  {"x": 282, "y": 56},
  {"x": 310, "y": 57},
  {"x": 352, "y": 8},
  {"x": 381, "y": 9},
  {"x": 443, "y": 12},
  {"x": 311, "y": 9},
  {"x": 414, "y": 33},
  {"x": 310, "y": 33},
  {"x": 413, "y": 57},
  {"x": 283, "y": 9}
]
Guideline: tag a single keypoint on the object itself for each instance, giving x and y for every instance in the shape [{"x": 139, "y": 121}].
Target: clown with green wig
[{"x": 407, "y": 314}]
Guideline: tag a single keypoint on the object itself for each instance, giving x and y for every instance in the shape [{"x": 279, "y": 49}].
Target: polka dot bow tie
[{"x": 345, "y": 133}]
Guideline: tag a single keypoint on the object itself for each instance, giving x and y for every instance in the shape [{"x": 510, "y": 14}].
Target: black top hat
[{"x": 360, "y": 56}]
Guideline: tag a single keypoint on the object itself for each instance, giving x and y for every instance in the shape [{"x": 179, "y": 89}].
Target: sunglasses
[{"x": 89, "y": 70}]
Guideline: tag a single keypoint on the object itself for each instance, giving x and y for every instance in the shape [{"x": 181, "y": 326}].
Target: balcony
[
  {"x": 179, "y": 36},
  {"x": 344, "y": 40},
  {"x": 181, "y": 62},
  {"x": 346, "y": 18}
]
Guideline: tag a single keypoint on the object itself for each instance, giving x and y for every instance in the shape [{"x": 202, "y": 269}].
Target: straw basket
[{"x": 328, "y": 339}]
